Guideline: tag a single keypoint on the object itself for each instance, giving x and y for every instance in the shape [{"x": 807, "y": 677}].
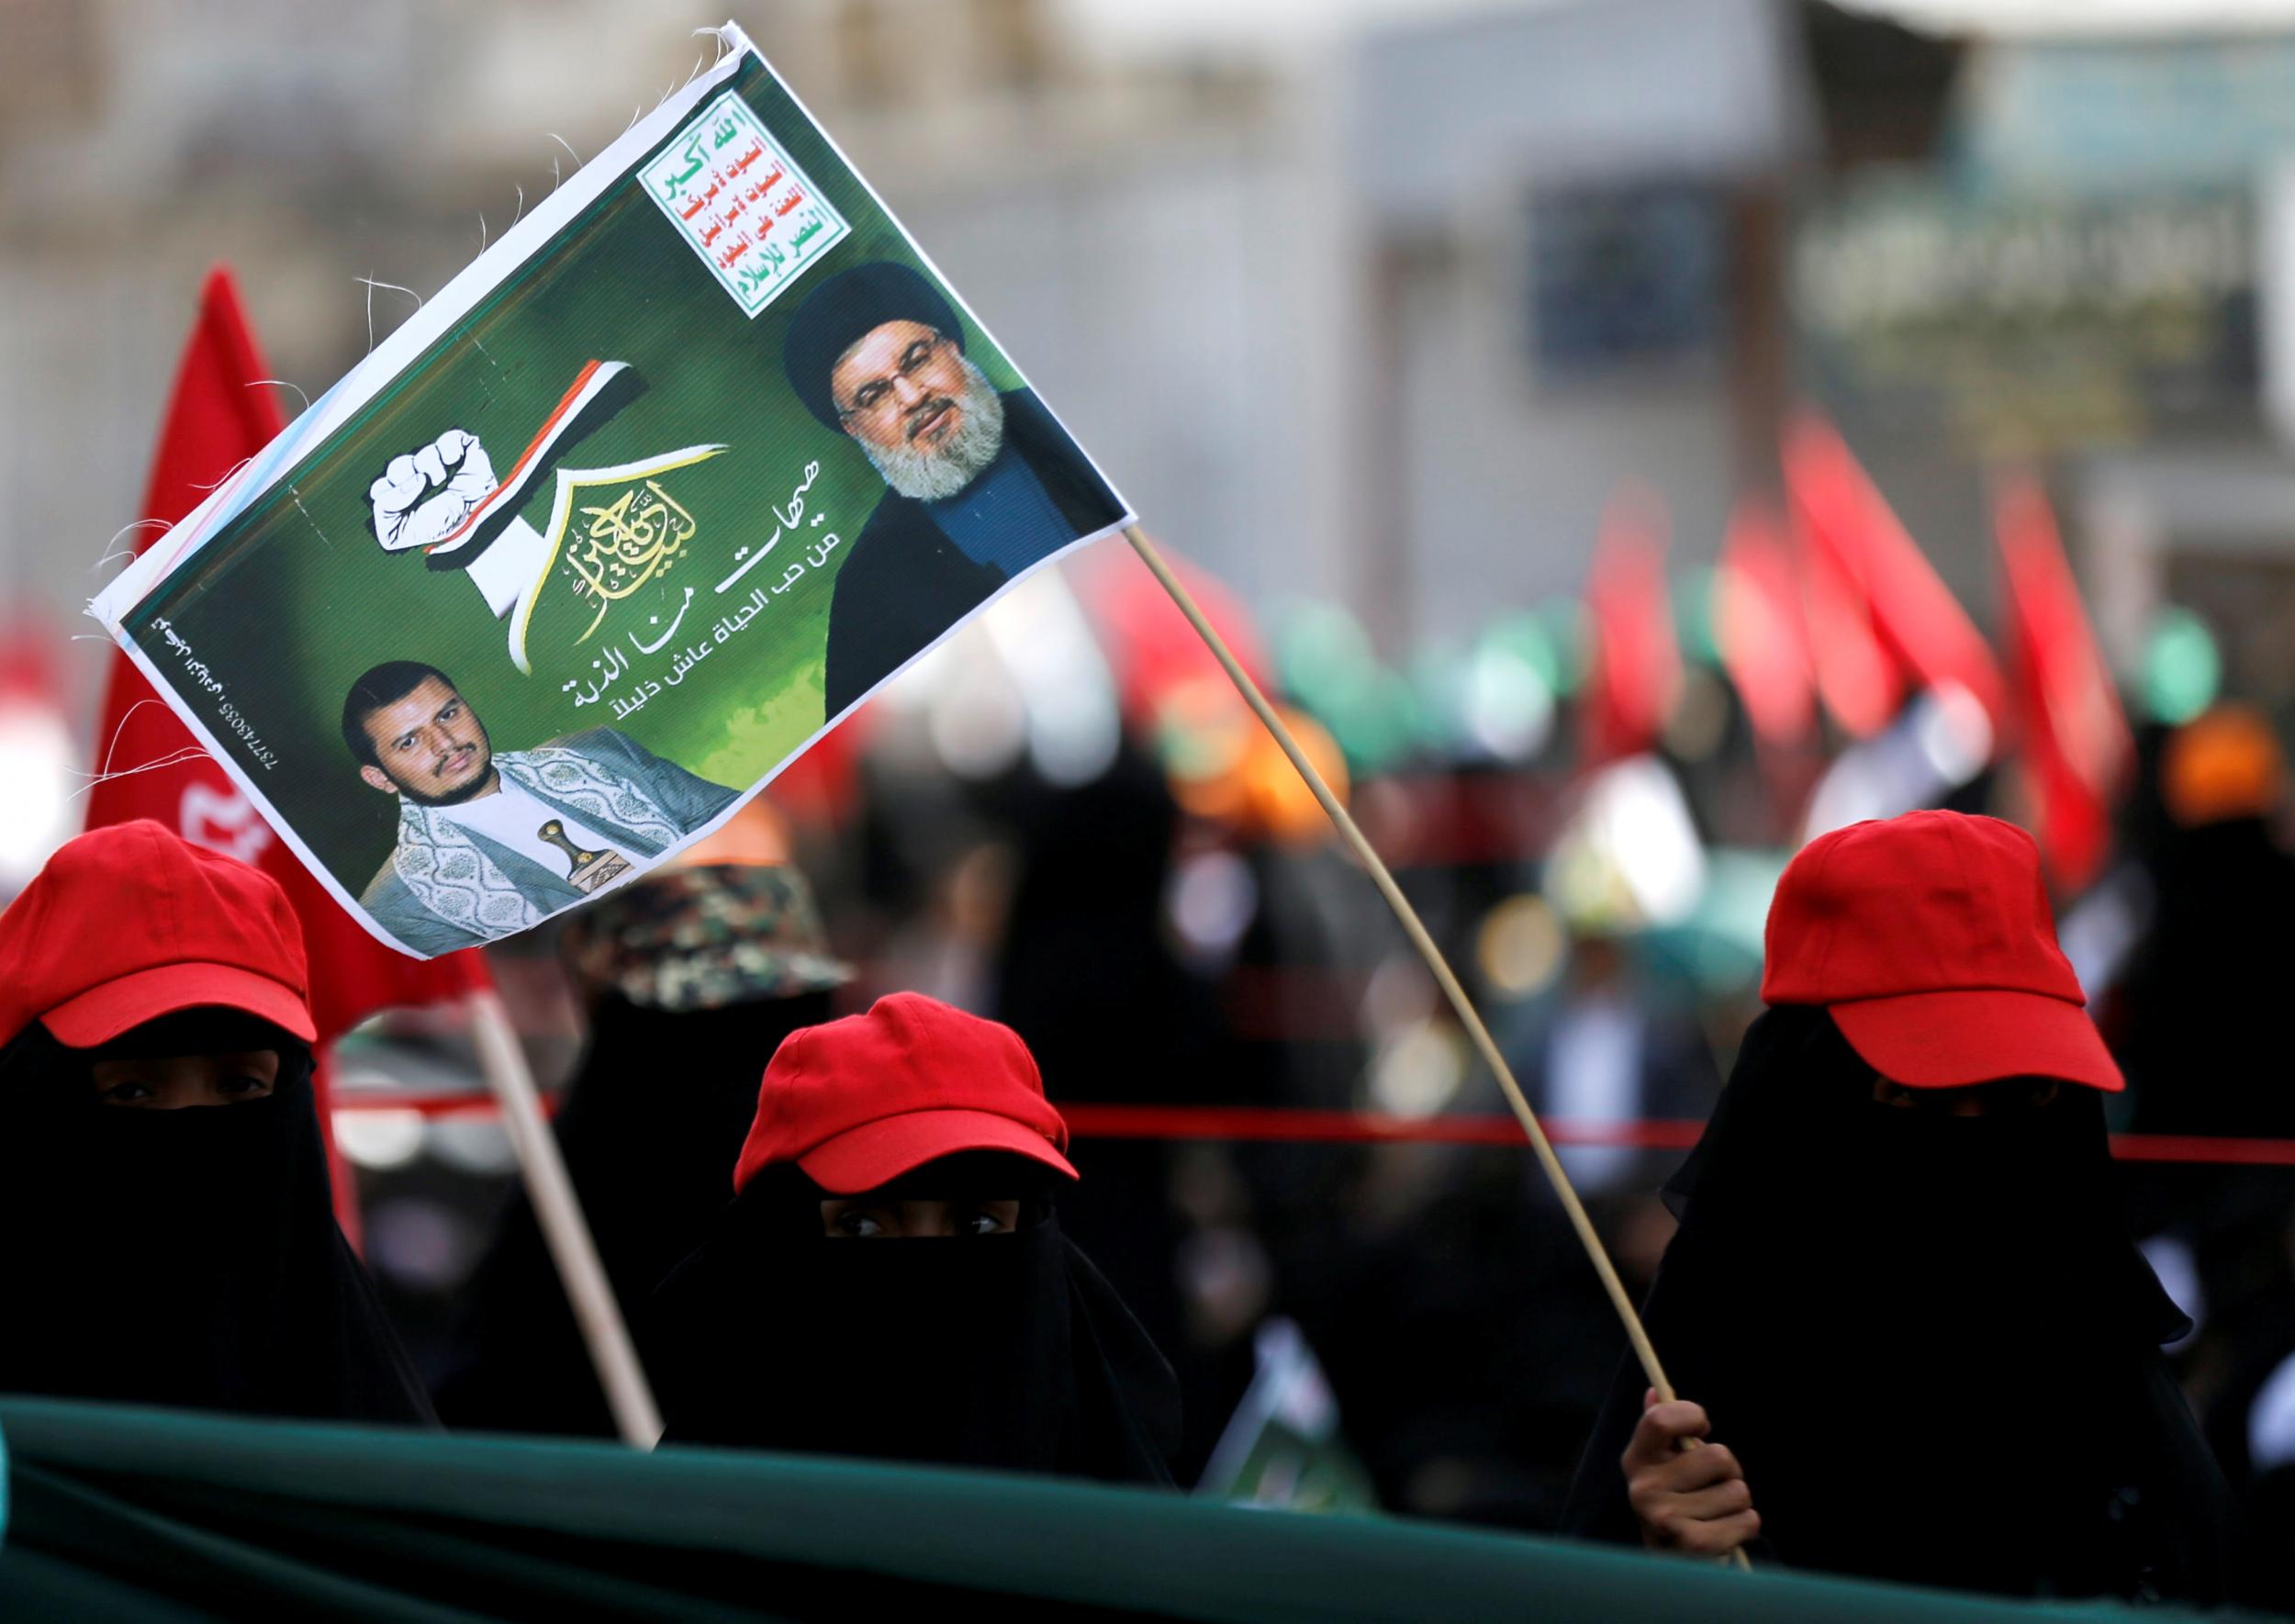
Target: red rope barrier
[
  {"x": 1287, "y": 1125},
  {"x": 2214, "y": 1152},
  {"x": 431, "y": 1102},
  {"x": 1299, "y": 1126}
]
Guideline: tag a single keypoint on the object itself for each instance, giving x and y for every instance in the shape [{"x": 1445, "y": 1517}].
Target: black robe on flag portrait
[
  {"x": 906, "y": 582},
  {"x": 965, "y": 508}
]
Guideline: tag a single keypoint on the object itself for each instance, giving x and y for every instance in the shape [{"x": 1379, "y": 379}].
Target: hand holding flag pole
[{"x": 1407, "y": 916}]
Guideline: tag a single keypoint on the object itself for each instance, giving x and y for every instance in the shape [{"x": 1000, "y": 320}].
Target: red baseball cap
[
  {"x": 1929, "y": 939},
  {"x": 131, "y": 922},
  {"x": 859, "y": 1102}
]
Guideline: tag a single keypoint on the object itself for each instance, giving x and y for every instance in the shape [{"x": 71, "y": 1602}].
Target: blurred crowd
[
  {"x": 1104, "y": 851},
  {"x": 1309, "y": 1261}
]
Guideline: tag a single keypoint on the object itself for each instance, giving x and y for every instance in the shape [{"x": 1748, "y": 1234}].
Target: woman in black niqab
[
  {"x": 1004, "y": 1351},
  {"x": 653, "y": 1115},
  {"x": 185, "y": 1258},
  {"x": 1927, "y": 1339},
  {"x": 692, "y": 977}
]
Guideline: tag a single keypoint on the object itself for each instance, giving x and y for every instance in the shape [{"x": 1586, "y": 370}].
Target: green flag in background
[{"x": 1283, "y": 1447}]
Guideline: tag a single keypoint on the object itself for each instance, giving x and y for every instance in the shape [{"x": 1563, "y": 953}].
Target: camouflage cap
[{"x": 700, "y": 937}]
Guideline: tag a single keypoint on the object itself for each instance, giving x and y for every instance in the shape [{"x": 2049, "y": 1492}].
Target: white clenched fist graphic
[{"x": 423, "y": 498}]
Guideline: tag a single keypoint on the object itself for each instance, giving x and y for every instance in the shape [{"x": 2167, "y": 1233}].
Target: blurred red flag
[
  {"x": 1633, "y": 666},
  {"x": 1761, "y": 627},
  {"x": 1152, "y": 652},
  {"x": 1855, "y": 678},
  {"x": 1857, "y": 543},
  {"x": 215, "y": 421},
  {"x": 820, "y": 785},
  {"x": 2073, "y": 743}
]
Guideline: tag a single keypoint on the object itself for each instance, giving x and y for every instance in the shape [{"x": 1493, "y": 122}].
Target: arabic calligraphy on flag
[{"x": 743, "y": 203}]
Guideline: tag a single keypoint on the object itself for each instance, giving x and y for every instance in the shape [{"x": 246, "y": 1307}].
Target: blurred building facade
[{"x": 1380, "y": 312}]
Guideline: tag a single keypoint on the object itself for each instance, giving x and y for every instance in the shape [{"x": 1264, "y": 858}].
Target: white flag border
[
  {"x": 174, "y": 550},
  {"x": 407, "y": 344}
]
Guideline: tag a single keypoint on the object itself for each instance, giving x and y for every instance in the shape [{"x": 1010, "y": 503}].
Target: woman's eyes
[
  {"x": 235, "y": 1089},
  {"x": 865, "y": 1224}
]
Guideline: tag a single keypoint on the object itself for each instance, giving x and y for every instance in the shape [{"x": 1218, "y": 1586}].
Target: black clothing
[
  {"x": 906, "y": 582},
  {"x": 651, "y": 1127},
  {"x": 2219, "y": 947},
  {"x": 2196, "y": 1023},
  {"x": 186, "y": 1258},
  {"x": 1006, "y": 1351},
  {"x": 1928, "y": 1339},
  {"x": 1086, "y": 953}
]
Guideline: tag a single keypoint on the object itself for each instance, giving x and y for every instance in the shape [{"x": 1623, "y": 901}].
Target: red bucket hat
[
  {"x": 129, "y": 923},
  {"x": 859, "y": 1102},
  {"x": 1929, "y": 939}
]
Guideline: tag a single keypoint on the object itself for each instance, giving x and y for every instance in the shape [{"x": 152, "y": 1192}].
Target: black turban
[{"x": 844, "y": 309}]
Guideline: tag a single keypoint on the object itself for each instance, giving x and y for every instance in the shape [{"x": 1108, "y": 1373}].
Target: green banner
[{"x": 125, "y": 1514}]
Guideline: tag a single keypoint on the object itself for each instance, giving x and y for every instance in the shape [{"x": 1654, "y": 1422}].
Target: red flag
[
  {"x": 1855, "y": 678},
  {"x": 1852, "y": 530},
  {"x": 1763, "y": 629},
  {"x": 2075, "y": 749},
  {"x": 1152, "y": 652},
  {"x": 215, "y": 421},
  {"x": 1634, "y": 667}
]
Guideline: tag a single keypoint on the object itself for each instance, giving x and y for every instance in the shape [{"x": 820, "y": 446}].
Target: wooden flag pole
[
  {"x": 1382, "y": 877},
  {"x": 559, "y": 1213}
]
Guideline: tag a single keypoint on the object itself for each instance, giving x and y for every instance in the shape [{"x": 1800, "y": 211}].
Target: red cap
[
  {"x": 129, "y": 923},
  {"x": 1930, "y": 940},
  {"x": 859, "y": 1102}
]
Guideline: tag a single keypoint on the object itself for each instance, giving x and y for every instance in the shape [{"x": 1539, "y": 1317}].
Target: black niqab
[
  {"x": 2220, "y": 944},
  {"x": 650, "y": 1129},
  {"x": 1004, "y": 1351},
  {"x": 1928, "y": 1339},
  {"x": 185, "y": 1258}
]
